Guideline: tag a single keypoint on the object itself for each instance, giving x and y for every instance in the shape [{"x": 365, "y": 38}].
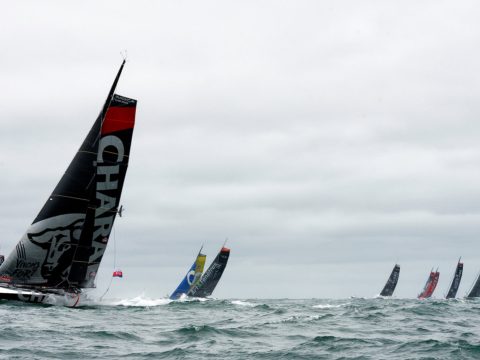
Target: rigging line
[
  {"x": 114, "y": 264},
  {"x": 114, "y": 249}
]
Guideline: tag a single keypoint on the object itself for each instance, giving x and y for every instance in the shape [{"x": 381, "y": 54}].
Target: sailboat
[
  {"x": 191, "y": 278},
  {"x": 59, "y": 255},
  {"x": 207, "y": 283},
  {"x": 389, "y": 287},
  {"x": 430, "y": 285},
  {"x": 457, "y": 277},
  {"x": 475, "y": 290}
]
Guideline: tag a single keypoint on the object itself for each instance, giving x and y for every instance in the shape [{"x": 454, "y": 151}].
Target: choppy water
[{"x": 142, "y": 328}]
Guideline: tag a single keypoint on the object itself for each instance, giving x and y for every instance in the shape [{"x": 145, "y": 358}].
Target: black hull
[{"x": 38, "y": 297}]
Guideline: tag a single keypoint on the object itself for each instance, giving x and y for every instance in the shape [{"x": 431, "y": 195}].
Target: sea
[{"x": 144, "y": 328}]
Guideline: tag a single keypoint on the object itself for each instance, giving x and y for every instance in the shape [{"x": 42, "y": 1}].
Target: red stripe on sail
[{"x": 118, "y": 118}]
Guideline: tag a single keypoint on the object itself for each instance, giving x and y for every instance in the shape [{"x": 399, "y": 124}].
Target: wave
[
  {"x": 138, "y": 301},
  {"x": 243, "y": 303},
  {"x": 144, "y": 301},
  {"x": 330, "y": 306},
  {"x": 186, "y": 299},
  {"x": 238, "y": 329}
]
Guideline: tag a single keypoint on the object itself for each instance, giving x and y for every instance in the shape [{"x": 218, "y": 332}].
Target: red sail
[
  {"x": 120, "y": 116},
  {"x": 430, "y": 285}
]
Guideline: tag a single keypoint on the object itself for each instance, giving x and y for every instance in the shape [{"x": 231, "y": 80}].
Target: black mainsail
[
  {"x": 457, "y": 277},
  {"x": 211, "y": 277},
  {"x": 64, "y": 245},
  {"x": 392, "y": 281},
  {"x": 475, "y": 290}
]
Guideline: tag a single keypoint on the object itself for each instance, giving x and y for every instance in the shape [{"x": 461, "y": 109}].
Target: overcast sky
[{"x": 326, "y": 139}]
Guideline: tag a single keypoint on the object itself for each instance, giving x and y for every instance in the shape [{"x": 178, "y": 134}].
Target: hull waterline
[{"x": 62, "y": 298}]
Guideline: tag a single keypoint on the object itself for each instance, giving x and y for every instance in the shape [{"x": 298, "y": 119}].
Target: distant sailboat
[
  {"x": 430, "y": 285},
  {"x": 210, "y": 279},
  {"x": 61, "y": 251},
  {"x": 392, "y": 281},
  {"x": 457, "y": 277},
  {"x": 475, "y": 290},
  {"x": 192, "y": 277}
]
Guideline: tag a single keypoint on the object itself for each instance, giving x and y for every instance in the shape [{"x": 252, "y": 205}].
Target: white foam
[
  {"x": 328, "y": 306},
  {"x": 243, "y": 303},
  {"x": 185, "y": 298},
  {"x": 139, "y": 301}
]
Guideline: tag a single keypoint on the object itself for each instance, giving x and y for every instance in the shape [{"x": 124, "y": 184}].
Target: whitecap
[
  {"x": 243, "y": 303},
  {"x": 139, "y": 301},
  {"x": 185, "y": 298},
  {"x": 329, "y": 306}
]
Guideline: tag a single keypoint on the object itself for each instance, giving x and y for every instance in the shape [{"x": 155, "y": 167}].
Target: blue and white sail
[{"x": 191, "y": 278}]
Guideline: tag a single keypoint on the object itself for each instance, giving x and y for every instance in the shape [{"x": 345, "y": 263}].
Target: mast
[{"x": 111, "y": 93}]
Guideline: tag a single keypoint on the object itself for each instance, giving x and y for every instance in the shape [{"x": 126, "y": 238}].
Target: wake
[{"x": 144, "y": 301}]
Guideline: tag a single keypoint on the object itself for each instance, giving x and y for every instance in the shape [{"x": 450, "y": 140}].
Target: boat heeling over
[
  {"x": 392, "y": 281},
  {"x": 430, "y": 285},
  {"x": 61, "y": 251},
  {"x": 205, "y": 286},
  {"x": 191, "y": 278},
  {"x": 455, "y": 284}
]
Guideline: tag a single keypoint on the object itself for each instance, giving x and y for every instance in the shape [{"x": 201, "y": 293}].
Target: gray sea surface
[{"x": 143, "y": 328}]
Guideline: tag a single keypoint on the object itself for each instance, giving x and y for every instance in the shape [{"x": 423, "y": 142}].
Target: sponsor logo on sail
[
  {"x": 191, "y": 277},
  {"x": 107, "y": 175}
]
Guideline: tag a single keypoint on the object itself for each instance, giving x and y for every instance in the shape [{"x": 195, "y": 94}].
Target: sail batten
[{"x": 68, "y": 197}]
